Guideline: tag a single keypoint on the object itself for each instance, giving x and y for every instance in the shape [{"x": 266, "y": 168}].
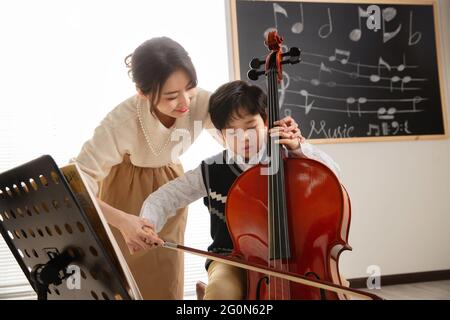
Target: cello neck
[{"x": 279, "y": 248}]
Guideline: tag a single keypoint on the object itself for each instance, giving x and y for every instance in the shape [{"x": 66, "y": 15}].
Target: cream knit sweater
[{"x": 130, "y": 128}]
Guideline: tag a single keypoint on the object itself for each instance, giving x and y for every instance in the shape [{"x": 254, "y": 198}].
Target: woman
[{"x": 131, "y": 155}]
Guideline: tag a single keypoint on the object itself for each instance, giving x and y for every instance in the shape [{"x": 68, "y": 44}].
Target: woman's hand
[
  {"x": 139, "y": 233},
  {"x": 289, "y": 132}
]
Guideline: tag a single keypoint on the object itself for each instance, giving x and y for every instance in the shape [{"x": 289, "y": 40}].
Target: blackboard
[{"x": 358, "y": 79}]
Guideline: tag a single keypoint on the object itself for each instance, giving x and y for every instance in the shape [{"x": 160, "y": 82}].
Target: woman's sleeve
[{"x": 98, "y": 155}]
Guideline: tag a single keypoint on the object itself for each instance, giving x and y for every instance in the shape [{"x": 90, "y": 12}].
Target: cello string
[
  {"x": 282, "y": 202},
  {"x": 276, "y": 176},
  {"x": 276, "y": 190},
  {"x": 280, "y": 195},
  {"x": 269, "y": 196},
  {"x": 273, "y": 200},
  {"x": 285, "y": 217}
]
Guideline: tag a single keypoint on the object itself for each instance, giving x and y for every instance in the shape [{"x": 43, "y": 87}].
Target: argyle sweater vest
[{"x": 218, "y": 177}]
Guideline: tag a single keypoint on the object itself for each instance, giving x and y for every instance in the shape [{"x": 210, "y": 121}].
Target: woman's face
[{"x": 176, "y": 95}]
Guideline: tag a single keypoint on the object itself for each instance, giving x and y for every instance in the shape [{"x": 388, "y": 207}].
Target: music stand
[{"x": 47, "y": 231}]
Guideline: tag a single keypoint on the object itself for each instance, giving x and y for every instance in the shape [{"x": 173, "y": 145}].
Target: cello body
[{"x": 318, "y": 214}]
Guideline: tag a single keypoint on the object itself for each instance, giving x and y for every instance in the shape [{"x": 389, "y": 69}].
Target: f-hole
[
  {"x": 258, "y": 287},
  {"x": 322, "y": 291}
]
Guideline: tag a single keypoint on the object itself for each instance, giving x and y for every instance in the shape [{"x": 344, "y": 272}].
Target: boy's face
[{"x": 245, "y": 134}]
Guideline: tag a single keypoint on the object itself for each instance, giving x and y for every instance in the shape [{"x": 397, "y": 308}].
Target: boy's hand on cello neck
[{"x": 289, "y": 133}]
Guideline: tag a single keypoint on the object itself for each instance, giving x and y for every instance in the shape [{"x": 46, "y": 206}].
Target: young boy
[{"x": 239, "y": 111}]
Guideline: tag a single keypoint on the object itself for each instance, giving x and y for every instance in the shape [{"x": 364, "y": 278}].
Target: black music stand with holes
[{"x": 47, "y": 231}]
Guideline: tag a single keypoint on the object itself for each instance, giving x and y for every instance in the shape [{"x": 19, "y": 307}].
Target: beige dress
[{"x": 131, "y": 155}]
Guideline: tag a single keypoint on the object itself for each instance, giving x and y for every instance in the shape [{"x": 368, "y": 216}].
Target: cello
[
  {"x": 293, "y": 218},
  {"x": 289, "y": 220}
]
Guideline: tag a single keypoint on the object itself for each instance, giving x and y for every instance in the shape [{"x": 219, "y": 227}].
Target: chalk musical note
[
  {"x": 323, "y": 68},
  {"x": 381, "y": 62},
  {"x": 343, "y": 53},
  {"x": 402, "y": 66},
  {"x": 352, "y": 100},
  {"x": 284, "y": 86},
  {"x": 328, "y": 26},
  {"x": 331, "y": 84},
  {"x": 385, "y": 128},
  {"x": 277, "y": 9},
  {"x": 355, "y": 34},
  {"x": 394, "y": 79},
  {"x": 386, "y": 114},
  {"x": 400, "y": 127},
  {"x": 373, "y": 127},
  {"x": 298, "y": 26},
  {"x": 389, "y": 14},
  {"x": 416, "y": 34},
  {"x": 396, "y": 127},
  {"x": 416, "y": 101},
  {"x": 307, "y": 105},
  {"x": 377, "y": 77},
  {"x": 355, "y": 75},
  {"x": 405, "y": 79},
  {"x": 361, "y": 101},
  {"x": 349, "y": 101}
]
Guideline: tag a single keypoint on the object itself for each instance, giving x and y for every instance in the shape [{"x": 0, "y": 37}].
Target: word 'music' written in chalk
[{"x": 321, "y": 130}]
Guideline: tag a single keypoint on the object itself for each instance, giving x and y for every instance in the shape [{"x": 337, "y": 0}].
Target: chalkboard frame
[{"x": 235, "y": 64}]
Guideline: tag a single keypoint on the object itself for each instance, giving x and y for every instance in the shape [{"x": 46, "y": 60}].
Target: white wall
[{"x": 400, "y": 194}]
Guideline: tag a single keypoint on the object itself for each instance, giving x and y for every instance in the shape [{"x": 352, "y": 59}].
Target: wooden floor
[{"x": 435, "y": 290}]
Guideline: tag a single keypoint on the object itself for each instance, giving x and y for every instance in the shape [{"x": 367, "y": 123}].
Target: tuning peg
[
  {"x": 293, "y": 52},
  {"x": 294, "y": 60},
  {"x": 254, "y": 74},
  {"x": 256, "y": 63},
  {"x": 291, "y": 60}
]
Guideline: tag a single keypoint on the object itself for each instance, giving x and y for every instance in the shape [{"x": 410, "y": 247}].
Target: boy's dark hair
[{"x": 232, "y": 98}]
